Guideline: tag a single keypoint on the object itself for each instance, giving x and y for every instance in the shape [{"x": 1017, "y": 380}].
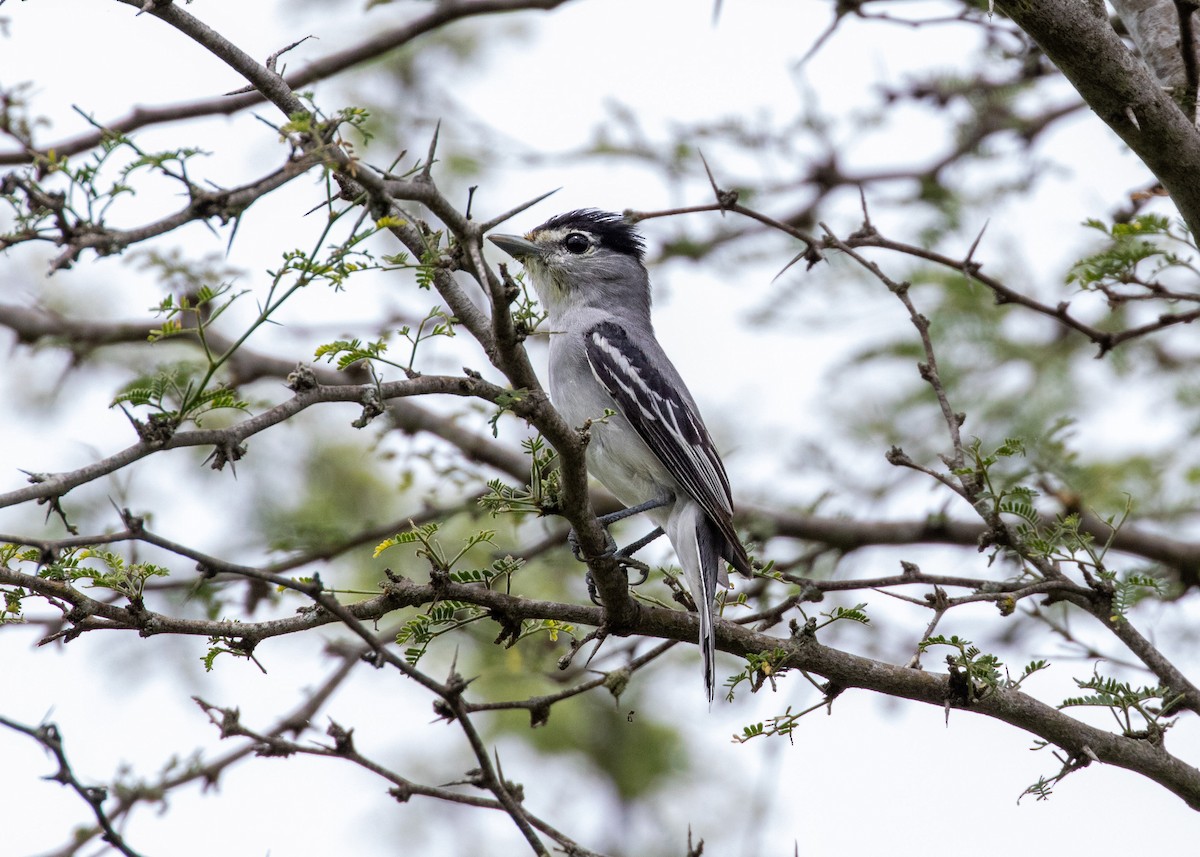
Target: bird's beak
[{"x": 516, "y": 246}]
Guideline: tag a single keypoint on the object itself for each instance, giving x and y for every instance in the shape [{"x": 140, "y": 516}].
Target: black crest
[{"x": 612, "y": 229}]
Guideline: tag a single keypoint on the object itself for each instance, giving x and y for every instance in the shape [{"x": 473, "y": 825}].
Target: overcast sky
[{"x": 876, "y": 776}]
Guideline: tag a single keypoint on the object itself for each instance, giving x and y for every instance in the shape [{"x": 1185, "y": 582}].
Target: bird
[{"x": 654, "y": 453}]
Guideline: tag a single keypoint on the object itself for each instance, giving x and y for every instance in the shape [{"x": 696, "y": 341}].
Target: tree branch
[
  {"x": 1120, "y": 89},
  {"x": 376, "y": 46},
  {"x": 48, "y": 736},
  {"x": 296, "y": 721},
  {"x": 47, "y": 485}
]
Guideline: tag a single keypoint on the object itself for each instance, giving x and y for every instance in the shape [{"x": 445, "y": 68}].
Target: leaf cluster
[
  {"x": 1145, "y": 712},
  {"x": 447, "y": 615},
  {"x": 541, "y": 495},
  {"x": 95, "y": 567},
  {"x": 1138, "y": 252},
  {"x": 345, "y": 353},
  {"x": 176, "y": 393}
]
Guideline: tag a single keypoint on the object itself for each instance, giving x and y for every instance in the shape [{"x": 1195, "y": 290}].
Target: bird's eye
[{"x": 576, "y": 243}]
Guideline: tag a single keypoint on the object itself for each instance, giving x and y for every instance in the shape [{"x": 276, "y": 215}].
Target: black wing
[{"x": 668, "y": 424}]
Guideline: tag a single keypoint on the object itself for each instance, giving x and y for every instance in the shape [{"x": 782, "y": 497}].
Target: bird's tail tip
[{"x": 708, "y": 651}]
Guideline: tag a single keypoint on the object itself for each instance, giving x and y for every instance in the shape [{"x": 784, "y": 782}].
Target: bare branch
[
  {"x": 208, "y": 773},
  {"x": 48, "y": 736},
  {"x": 367, "y": 50}
]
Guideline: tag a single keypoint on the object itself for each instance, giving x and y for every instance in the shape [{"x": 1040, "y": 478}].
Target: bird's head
[{"x": 583, "y": 257}]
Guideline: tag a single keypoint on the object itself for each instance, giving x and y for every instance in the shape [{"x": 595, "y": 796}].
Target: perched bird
[{"x": 655, "y": 454}]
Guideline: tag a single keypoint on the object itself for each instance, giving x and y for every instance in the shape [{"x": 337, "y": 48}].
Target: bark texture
[{"x": 1121, "y": 89}]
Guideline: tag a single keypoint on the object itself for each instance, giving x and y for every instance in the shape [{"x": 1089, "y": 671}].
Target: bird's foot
[
  {"x": 623, "y": 557},
  {"x": 629, "y": 562},
  {"x": 626, "y": 562},
  {"x": 577, "y": 552}
]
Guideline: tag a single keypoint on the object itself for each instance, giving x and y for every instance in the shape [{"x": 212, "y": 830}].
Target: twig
[
  {"x": 48, "y": 736},
  {"x": 209, "y": 772}
]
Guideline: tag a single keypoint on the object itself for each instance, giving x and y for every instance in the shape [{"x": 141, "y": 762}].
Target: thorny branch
[
  {"x": 496, "y": 333},
  {"x": 403, "y": 789},
  {"x": 48, "y": 736},
  {"x": 209, "y": 773},
  {"x": 38, "y": 327},
  {"x": 804, "y": 653},
  {"x": 77, "y": 235},
  {"x": 972, "y": 270},
  {"x": 378, "y": 45},
  {"x": 52, "y": 485},
  {"x": 965, "y": 484}
]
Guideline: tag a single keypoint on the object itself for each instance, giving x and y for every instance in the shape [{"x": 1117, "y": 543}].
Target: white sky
[{"x": 876, "y": 777}]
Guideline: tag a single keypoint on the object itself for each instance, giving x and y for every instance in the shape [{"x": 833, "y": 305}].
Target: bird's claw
[
  {"x": 623, "y": 557},
  {"x": 577, "y": 552},
  {"x": 593, "y": 593},
  {"x": 626, "y": 562},
  {"x": 629, "y": 562}
]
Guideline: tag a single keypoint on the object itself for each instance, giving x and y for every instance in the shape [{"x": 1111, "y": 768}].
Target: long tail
[{"x": 696, "y": 542}]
